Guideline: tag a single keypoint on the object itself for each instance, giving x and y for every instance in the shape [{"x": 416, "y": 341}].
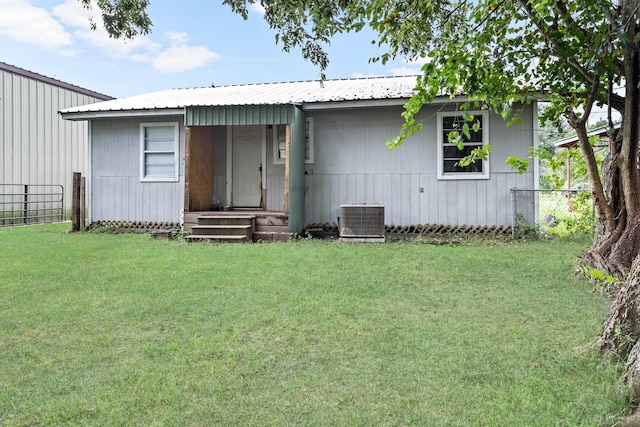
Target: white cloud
[
  {"x": 419, "y": 60},
  {"x": 258, "y": 8},
  {"x": 68, "y": 26},
  {"x": 405, "y": 71},
  {"x": 362, "y": 75},
  {"x": 177, "y": 38},
  {"x": 73, "y": 14},
  {"x": 30, "y": 24},
  {"x": 182, "y": 57}
]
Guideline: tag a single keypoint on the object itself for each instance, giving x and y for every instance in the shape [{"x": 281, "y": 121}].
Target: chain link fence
[{"x": 550, "y": 210}]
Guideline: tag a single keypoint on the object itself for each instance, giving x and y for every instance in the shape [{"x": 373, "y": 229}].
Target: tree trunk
[
  {"x": 617, "y": 246},
  {"x": 621, "y": 330}
]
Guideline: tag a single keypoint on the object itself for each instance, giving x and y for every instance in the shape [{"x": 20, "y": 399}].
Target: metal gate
[{"x": 22, "y": 204}]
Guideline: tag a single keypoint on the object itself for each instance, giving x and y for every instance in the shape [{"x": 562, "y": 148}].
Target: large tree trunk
[
  {"x": 617, "y": 245},
  {"x": 618, "y": 239}
]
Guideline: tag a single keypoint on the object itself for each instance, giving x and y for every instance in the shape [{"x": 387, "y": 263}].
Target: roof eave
[
  {"x": 330, "y": 105},
  {"x": 112, "y": 114}
]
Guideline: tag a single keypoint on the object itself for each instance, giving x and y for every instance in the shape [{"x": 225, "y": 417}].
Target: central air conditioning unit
[{"x": 362, "y": 222}]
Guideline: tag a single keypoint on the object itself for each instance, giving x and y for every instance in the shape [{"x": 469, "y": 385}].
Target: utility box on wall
[{"x": 362, "y": 222}]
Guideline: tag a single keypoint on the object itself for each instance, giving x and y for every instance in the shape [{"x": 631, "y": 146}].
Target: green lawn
[{"x": 102, "y": 329}]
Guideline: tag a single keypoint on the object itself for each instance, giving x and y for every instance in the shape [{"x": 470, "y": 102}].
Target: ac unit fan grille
[{"x": 362, "y": 221}]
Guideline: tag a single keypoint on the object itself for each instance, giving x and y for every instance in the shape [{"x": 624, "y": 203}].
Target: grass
[{"x": 102, "y": 329}]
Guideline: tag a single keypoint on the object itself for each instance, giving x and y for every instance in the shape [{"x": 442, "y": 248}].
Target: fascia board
[{"x": 89, "y": 115}]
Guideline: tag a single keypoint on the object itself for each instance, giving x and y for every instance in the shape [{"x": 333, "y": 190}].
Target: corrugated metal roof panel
[
  {"x": 239, "y": 115},
  {"x": 373, "y": 88}
]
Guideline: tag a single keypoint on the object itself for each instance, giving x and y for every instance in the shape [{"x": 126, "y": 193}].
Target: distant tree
[{"x": 502, "y": 54}]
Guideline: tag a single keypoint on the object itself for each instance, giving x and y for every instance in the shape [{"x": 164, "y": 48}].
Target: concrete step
[
  {"x": 217, "y": 239},
  {"x": 222, "y": 230},
  {"x": 274, "y": 219},
  {"x": 268, "y": 236}
]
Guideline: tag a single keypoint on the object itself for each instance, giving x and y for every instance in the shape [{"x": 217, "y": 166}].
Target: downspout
[
  {"x": 296, "y": 172},
  {"x": 569, "y": 180}
]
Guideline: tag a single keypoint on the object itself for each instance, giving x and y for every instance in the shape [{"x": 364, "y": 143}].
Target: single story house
[{"x": 301, "y": 149}]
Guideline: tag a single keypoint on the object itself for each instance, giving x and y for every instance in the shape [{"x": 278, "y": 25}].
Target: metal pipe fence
[
  {"x": 22, "y": 204},
  {"x": 539, "y": 210}
]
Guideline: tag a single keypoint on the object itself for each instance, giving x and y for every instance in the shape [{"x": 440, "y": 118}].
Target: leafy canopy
[{"x": 499, "y": 53}]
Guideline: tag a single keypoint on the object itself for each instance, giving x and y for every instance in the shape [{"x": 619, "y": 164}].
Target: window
[
  {"x": 449, "y": 155},
  {"x": 159, "y": 152},
  {"x": 279, "y": 142}
]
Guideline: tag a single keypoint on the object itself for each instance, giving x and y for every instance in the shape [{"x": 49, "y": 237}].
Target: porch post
[
  {"x": 187, "y": 167},
  {"x": 295, "y": 160}
]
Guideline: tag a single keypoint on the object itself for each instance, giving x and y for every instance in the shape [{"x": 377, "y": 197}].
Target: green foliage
[
  {"x": 603, "y": 282},
  {"x": 122, "y": 18},
  {"x": 499, "y": 54},
  {"x": 580, "y": 221}
]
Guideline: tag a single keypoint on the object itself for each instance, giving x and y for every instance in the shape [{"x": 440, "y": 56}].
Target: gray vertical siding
[
  {"x": 37, "y": 146},
  {"x": 117, "y": 192},
  {"x": 275, "y": 178},
  {"x": 352, "y": 164}
]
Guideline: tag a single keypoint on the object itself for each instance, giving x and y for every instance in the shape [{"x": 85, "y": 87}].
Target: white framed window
[
  {"x": 279, "y": 142},
  {"x": 159, "y": 151},
  {"x": 449, "y": 154}
]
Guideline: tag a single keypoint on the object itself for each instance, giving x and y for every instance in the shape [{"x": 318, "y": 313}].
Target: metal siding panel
[
  {"x": 37, "y": 147},
  {"x": 239, "y": 115},
  {"x": 369, "y": 186},
  {"x": 360, "y": 187},
  {"x": 17, "y": 130},
  {"x": 6, "y": 97},
  {"x": 471, "y": 203},
  {"x": 47, "y": 120},
  {"x": 487, "y": 204},
  {"x": 316, "y": 191},
  {"x": 442, "y": 202},
  {"x": 350, "y": 186},
  {"x": 485, "y": 189},
  {"x": 3, "y": 119},
  {"x": 502, "y": 201},
  {"x": 414, "y": 198},
  {"x": 343, "y": 189},
  {"x": 332, "y": 196}
]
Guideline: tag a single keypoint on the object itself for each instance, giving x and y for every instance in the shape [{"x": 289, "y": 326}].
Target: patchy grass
[{"x": 102, "y": 329}]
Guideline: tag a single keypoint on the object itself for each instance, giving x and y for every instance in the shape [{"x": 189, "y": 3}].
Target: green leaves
[
  {"x": 497, "y": 53},
  {"x": 123, "y": 18},
  {"x": 518, "y": 164}
]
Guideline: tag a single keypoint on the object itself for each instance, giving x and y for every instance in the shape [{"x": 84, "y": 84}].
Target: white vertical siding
[
  {"x": 118, "y": 193},
  {"x": 37, "y": 146},
  {"x": 352, "y": 164}
]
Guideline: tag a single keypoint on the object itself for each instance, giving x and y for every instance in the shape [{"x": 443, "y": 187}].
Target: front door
[{"x": 247, "y": 166}]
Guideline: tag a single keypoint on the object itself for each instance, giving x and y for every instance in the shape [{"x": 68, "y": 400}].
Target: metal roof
[
  {"x": 49, "y": 80},
  {"x": 573, "y": 141},
  {"x": 302, "y": 92}
]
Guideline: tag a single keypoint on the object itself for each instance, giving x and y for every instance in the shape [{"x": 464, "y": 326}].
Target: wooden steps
[
  {"x": 223, "y": 228},
  {"x": 237, "y": 227}
]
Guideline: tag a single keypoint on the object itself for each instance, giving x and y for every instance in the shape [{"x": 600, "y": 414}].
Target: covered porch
[{"x": 244, "y": 162}]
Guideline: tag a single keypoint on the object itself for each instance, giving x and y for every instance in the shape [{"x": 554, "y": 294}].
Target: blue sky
[{"x": 193, "y": 43}]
